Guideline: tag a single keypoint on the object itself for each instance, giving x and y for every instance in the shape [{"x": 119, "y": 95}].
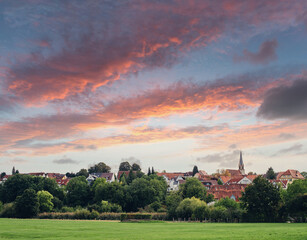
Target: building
[
  {"x": 110, "y": 177},
  {"x": 232, "y": 191},
  {"x": 290, "y": 175},
  {"x": 241, "y": 165}
]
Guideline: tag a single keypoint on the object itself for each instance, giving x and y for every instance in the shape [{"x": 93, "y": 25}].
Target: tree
[
  {"x": 45, "y": 201},
  {"x": 219, "y": 182},
  {"x": 262, "y": 200},
  {"x": 2, "y": 175},
  {"x": 78, "y": 191},
  {"x": 152, "y": 170},
  {"x": 27, "y": 204},
  {"x": 304, "y": 174},
  {"x": 124, "y": 166},
  {"x": 111, "y": 192},
  {"x": 186, "y": 208},
  {"x": 270, "y": 174},
  {"x": 99, "y": 168},
  {"x": 148, "y": 172},
  {"x": 136, "y": 167},
  {"x": 13, "y": 171},
  {"x": 82, "y": 172},
  {"x": 70, "y": 175},
  {"x": 131, "y": 177},
  {"x": 195, "y": 170},
  {"x": 193, "y": 188},
  {"x": 172, "y": 202}
]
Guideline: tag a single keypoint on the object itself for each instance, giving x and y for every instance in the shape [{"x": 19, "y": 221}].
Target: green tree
[
  {"x": 304, "y": 174},
  {"x": 131, "y": 177},
  {"x": 193, "y": 188},
  {"x": 78, "y": 192},
  {"x": 219, "y": 182},
  {"x": 262, "y": 200},
  {"x": 124, "y": 166},
  {"x": 82, "y": 172},
  {"x": 17, "y": 171},
  {"x": 99, "y": 168},
  {"x": 136, "y": 167},
  {"x": 195, "y": 170},
  {"x": 112, "y": 192},
  {"x": 172, "y": 202},
  {"x": 27, "y": 204},
  {"x": 186, "y": 208},
  {"x": 270, "y": 174},
  {"x": 13, "y": 171},
  {"x": 45, "y": 201},
  {"x": 2, "y": 175},
  {"x": 149, "y": 172},
  {"x": 152, "y": 170}
]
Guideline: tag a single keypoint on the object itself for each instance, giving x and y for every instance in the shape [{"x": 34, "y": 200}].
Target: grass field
[{"x": 69, "y": 229}]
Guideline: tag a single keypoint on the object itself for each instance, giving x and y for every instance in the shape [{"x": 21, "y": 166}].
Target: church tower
[{"x": 241, "y": 164}]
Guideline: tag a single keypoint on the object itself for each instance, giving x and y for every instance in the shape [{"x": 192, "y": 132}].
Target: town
[{"x": 224, "y": 183}]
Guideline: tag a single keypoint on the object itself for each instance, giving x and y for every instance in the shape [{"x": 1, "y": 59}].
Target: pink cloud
[{"x": 266, "y": 54}]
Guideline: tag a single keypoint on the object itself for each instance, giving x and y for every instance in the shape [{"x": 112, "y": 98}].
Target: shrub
[
  {"x": 82, "y": 214},
  {"x": 67, "y": 209},
  {"x": 8, "y": 210},
  {"x": 187, "y": 207},
  {"x": 135, "y": 216},
  {"x": 1, "y": 206}
]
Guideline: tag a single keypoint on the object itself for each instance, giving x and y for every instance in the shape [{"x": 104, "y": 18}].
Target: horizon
[{"x": 168, "y": 84}]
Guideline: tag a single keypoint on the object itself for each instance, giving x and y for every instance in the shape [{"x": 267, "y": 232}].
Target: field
[{"x": 69, "y": 229}]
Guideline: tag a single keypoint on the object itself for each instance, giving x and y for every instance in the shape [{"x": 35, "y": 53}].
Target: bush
[
  {"x": 1, "y": 206},
  {"x": 72, "y": 215},
  {"x": 82, "y": 214},
  {"x": 8, "y": 211},
  {"x": 135, "y": 216},
  {"x": 67, "y": 209},
  {"x": 187, "y": 207}
]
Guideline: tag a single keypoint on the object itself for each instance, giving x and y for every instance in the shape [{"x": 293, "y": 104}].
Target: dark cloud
[
  {"x": 233, "y": 146},
  {"x": 296, "y": 148},
  {"x": 288, "y": 102},
  {"x": 223, "y": 159},
  {"x": 65, "y": 160},
  {"x": 266, "y": 54},
  {"x": 286, "y": 136}
]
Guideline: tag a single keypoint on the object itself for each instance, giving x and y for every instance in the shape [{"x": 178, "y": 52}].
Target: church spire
[{"x": 241, "y": 164}]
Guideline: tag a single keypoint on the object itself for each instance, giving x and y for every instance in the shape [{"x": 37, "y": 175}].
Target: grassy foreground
[{"x": 69, "y": 229}]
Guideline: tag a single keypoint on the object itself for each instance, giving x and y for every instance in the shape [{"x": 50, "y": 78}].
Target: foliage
[
  {"x": 131, "y": 177},
  {"x": 1, "y": 206},
  {"x": 131, "y": 216},
  {"x": 172, "y": 202},
  {"x": 2, "y": 175},
  {"x": 27, "y": 204},
  {"x": 82, "y": 172},
  {"x": 186, "y": 208},
  {"x": 219, "y": 182},
  {"x": 136, "y": 167},
  {"x": 112, "y": 192},
  {"x": 45, "y": 201},
  {"x": 124, "y": 166},
  {"x": 304, "y": 174},
  {"x": 195, "y": 170},
  {"x": 193, "y": 188},
  {"x": 262, "y": 200},
  {"x": 78, "y": 192},
  {"x": 8, "y": 211},
  {"x": 99, "y": 168},
  {"x": 270, "y": 174}
]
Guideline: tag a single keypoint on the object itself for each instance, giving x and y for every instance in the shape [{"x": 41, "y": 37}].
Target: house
[
  {"x": 55, "y": 176},
  {"x": 202, "y": 175},
  {"x": 110, "y": 177},
  {"x": 222, "y": 191},
  {"x": 239, "y": 180},
  {"x": 282, "y": 183},
  {"x": 5, "y": 177},
  {"x": 37, "y": 174},
  {"x": 209, "y": 183},
  {"x": 173, "y": 180},
  {"x": 251, "y": 177},
  {"x": 62, "y": 182},
  {"x": 290, "y": 175},
  {"x": 120, "y": 173},
  {"x": 224, "y": 179}
]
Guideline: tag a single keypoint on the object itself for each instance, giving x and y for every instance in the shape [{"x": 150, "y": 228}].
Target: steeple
[{"x": 241, "y": 164}]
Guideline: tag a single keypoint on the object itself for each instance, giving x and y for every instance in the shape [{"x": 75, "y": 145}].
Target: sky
[{"x": 166, "y": 83}]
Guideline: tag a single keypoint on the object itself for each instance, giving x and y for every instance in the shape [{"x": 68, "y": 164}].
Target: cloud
[
  {"x": 289, "y": 102},
  {"x": 233, "y": 146},
  {"x": 296, "y": 148},
  {"x": 117, "y": 38},
  {"x": 223, "y": 159},
  {"x": 266, "y": 54},
  {"x": 286, "y": 136},
  {"x": 65, "y": 160}
]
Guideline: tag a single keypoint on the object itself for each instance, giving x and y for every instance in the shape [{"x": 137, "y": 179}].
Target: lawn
[{"x": 69, "y": 229}]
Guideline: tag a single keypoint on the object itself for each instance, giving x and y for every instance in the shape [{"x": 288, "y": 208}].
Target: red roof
[
  {"x": 234, "y": 172},
  {"x": 171, "y": 175},
  {"x": 62, "y": 182},
  {"x": 235, "y": 180},
  {"x": 293, "y": 173},
  {"x": 126, "y": 173},
  {"x": 225, "y": 179},
  {"x": 222, "y": 191},
  {"x": 251, "y": 177}
]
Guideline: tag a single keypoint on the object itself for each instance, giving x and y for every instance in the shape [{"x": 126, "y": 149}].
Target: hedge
[{"x": 135, "y": 216}]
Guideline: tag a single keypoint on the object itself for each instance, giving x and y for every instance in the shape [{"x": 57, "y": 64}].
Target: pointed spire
[{"x": 241, "y": 159}]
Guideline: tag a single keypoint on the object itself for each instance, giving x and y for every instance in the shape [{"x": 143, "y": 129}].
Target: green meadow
[{"x": 74, "y": 229}]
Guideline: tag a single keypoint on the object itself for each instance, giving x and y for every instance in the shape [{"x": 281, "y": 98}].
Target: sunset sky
[{"x": 169, "y": 84}]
